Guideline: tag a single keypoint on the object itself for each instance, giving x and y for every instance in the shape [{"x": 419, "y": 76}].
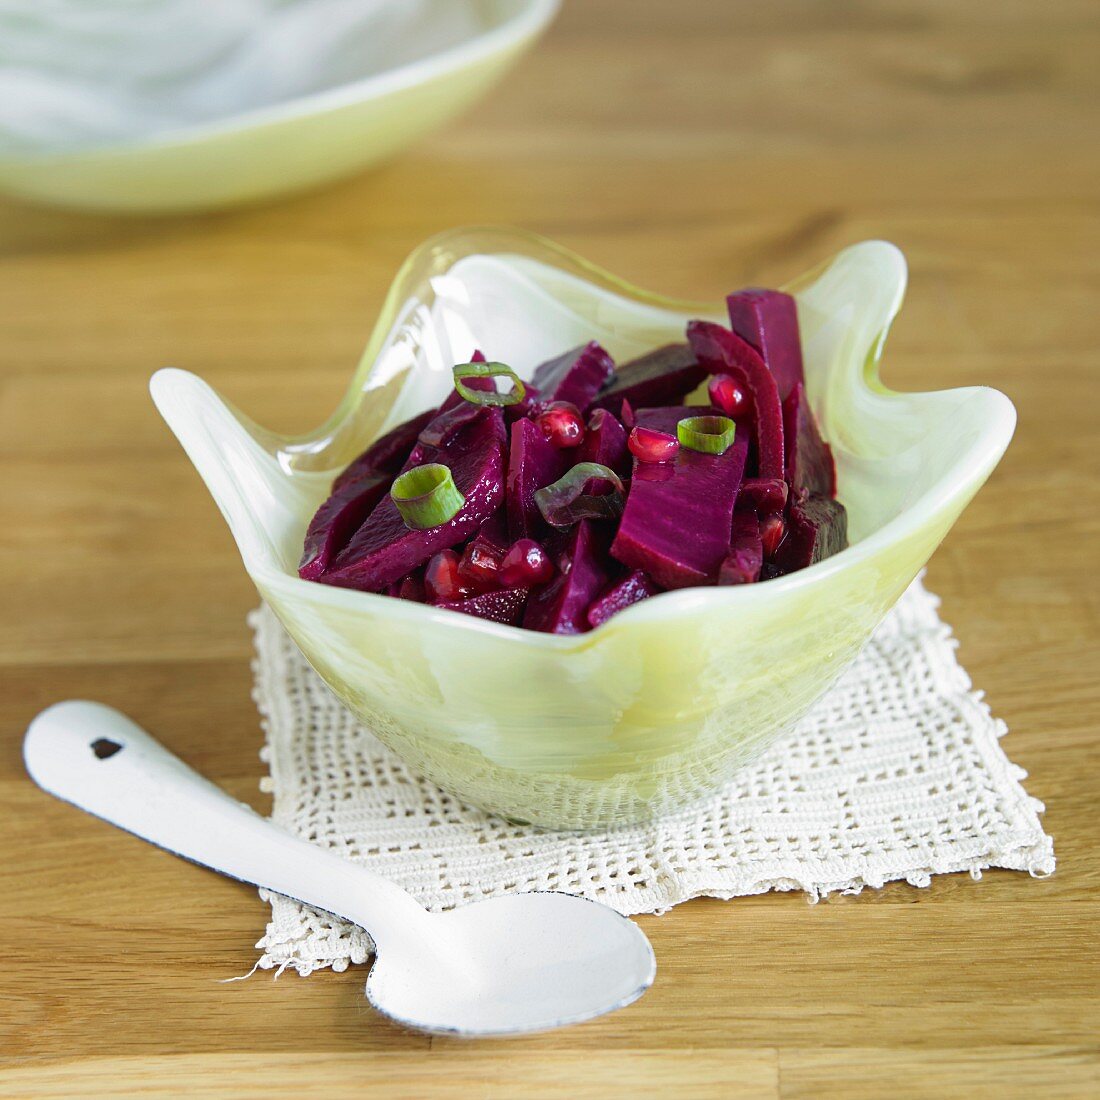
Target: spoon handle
[{"x": 98, "y": 759}]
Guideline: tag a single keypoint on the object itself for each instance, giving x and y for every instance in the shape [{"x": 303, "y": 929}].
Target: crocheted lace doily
[{"x": 897, "y": 773}]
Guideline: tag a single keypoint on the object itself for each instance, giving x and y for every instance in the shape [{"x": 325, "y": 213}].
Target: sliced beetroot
[
  {"x": 533, "y": 463},
  {"x": 762, "y": 495},
  {"x": 677, "y": 520},
  {"x": 387, "y": 454},
  {"x": 724, "y": 352},
  {"x": 662, "y": 377},
  {"x": 817, "y": 528},
  {"x": 584, "y": 569},
  {"x": 384, "y": 549},
  {"x": 338, "y": 519},
  {"x": 768, "y": 320},
  {"x": 745, "y": 559},
  {"x": 446, "y": 424},
  {"x": 665, "y": 419},
  {"x": 577, "y": 376},
  {"x": 631, "y": 589},
  {"x": 605, "y": 442},
  {"x": 504, "y": 606},
  {"x": 810, "y": 465}
]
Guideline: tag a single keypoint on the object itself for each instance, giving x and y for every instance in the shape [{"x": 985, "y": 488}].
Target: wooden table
[{"x": 693, "y": 147}]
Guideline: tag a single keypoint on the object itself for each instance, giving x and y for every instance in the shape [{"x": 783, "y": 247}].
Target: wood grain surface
[{"x": 692, "y": 147}]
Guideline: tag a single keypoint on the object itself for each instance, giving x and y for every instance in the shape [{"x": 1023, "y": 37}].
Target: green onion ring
[
  {"x": 713, "y": 435},
  {"x": 565, "y": 502},
  {"x": 426, "y": 496},
  {"x": 488, "y": 397}
]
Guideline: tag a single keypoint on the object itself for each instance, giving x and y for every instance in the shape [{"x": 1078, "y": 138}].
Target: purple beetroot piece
[
  {"x": 677, "y": 520},
  {"x": 577, "y": 376},
  {"x": 505, "y": 606},
  {"x": 665, "y": 419},
  {"x": 817, "y": 528},
  {"x": 810, "y": 465},
  {"x": 338, "y": 519},
  {"x": 724, "y": 352},
  {"x": 768, "y": 320},
  {"x": 533, "y": 463},
  {"x": 661, "y": 377},
  {"x": 631, "y": 589},
  {"x": 386, "y": 455},
  {"x": 746, "y": 554},
  {"x": 605, "y": 442},
  {"x": 583, "y": 571},
  {"x": 762, "y": 495},
  {"x": 384, "y": 549}
]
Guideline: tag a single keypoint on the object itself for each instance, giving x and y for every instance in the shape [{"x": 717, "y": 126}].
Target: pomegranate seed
[
  {"x": 727, "y": 395},
  {"x": 647, "y": 445},
  {"x": 526, "y": 563},
  {"x": 412, "y": 588},
  {"x": 480, "y": 566},
  {"x": 441, "y": 579},
  {"x": 562, "y": 424},
  {"x": 772, "y": 530}
]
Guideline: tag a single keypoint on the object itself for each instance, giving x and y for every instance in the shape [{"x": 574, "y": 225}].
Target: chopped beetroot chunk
[
  {"x": 605, "y": 442},
  {"x": 768, "y": 320},
  {"x": 666, "y": 418},
  {"x": 533, "y": 463},
  {"x": 724, "y": 352},
  {"x": 677, "y": 520},
  {"x": 661, "y": 377},
  {"x": 583, "y": 571},
  {"x": 817, "y": 528},
  {"x": 762, "y": 495},
  {"x": 810, "y": 465},
  {"x": 338, "y": 519},
  {"x": 631, "y": 589},
  {"x": 746, "y": 554},
  {"x": 384, "y": 549},
  {"x": 387, "y": 454},
  {"x": 576, "y": 377},
  {"x": 445, "y": 425},
  {"x": 504, "y": 606}
]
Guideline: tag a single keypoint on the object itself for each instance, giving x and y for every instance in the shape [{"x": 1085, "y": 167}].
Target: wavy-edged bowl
[
  {"x": 290, "y": 145},
  {"x": 665, "y": 701}
]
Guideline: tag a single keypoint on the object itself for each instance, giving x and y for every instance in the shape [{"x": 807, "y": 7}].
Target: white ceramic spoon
[{"x": 526, "y": 962}]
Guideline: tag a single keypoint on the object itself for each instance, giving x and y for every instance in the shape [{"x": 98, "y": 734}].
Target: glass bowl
[
  {"x": 293, "y": 144},
  {"x": 663, "y": 703}
]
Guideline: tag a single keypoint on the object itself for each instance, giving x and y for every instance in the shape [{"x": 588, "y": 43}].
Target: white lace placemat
[{"x": 897, "y": 773}]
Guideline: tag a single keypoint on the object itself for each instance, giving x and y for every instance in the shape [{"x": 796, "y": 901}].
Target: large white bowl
[
  {"x": 290, "y": 145},
  {"x": 664, "y": 701}
]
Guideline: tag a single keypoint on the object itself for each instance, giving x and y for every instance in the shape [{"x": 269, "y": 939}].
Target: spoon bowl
[{"x": 532, "y": 962}]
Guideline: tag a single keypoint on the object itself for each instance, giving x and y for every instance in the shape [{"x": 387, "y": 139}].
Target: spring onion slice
[
  {"x": 566, "y": 502},
  {"x": 713, "y": 435},
  {"x": 426, "y": 496},
  {"x": 488, "y": 397}
]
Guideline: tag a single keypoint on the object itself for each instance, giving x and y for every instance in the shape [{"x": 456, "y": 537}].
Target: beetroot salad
[{"x": 555, "y": 504}]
